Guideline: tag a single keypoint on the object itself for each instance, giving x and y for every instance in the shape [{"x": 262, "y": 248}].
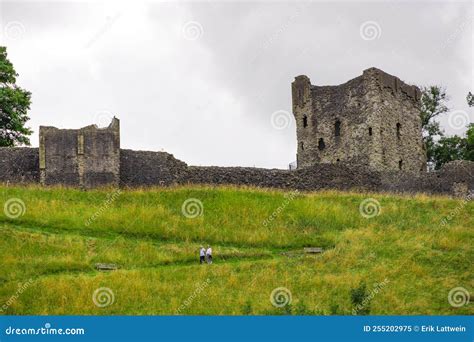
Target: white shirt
[
  {"x": 202, "y": 252},
  {"x": 209, "y": 251}
]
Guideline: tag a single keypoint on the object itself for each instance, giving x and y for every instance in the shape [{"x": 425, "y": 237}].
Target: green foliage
[
  {"x": 14, "y": 105},
  {"x": 360, "y": 299},
  {"x": 247, "y": 308},
  {"x": 469, "y": 145},
  {"x": 301, "y": 309},
  {"x": 439, "y": 148},
  {"x": 452, "y": 148},
  {"x": 470, "y": 99},
  {"x": 433, "y": 104},
  {"x": 334, "y": 309},
  {"x": 448, "y": 149},
  {"x": 287, "y": 310}
]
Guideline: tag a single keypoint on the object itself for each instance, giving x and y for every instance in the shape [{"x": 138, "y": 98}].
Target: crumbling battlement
[{"x": 393, "y": 84}]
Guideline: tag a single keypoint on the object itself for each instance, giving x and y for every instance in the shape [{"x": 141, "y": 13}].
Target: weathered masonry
[
  {"x": 87, "y": 157},
  {"x": 362, "y": 135},
  {"x": 372, "y": 120}
]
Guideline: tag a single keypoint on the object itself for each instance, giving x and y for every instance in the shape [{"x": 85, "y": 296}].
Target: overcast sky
[{"x": 210, "y": 81}]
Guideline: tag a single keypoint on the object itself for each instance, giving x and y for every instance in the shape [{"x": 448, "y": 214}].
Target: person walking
[
  {"x": 202, "y": 254},
  {"x": 209, "y": 255}
]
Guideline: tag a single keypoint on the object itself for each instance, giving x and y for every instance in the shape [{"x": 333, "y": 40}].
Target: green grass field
[{"x": 408, "y": 260}]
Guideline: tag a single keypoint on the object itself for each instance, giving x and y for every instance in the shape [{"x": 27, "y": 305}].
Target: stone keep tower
[{"x": 372, "y": 120}]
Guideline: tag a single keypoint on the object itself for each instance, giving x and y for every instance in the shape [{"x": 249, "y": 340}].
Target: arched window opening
[
  {"x": 400, "y": 164},
  {"x": 305, "y": 121},
  {"x": 302, "y": 146},
  {"x": 399, "y": 127},
  {"x": 370, "y": 131},
  {"x": 321, "y": 144}
]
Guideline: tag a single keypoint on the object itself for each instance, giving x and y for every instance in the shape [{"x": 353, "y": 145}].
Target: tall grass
[{"x": 56, "y": 244}]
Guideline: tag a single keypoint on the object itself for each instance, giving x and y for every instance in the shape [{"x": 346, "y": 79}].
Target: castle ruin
[
  {"x": 362, "y": 135},
  {"x": 372, "y": 120}
]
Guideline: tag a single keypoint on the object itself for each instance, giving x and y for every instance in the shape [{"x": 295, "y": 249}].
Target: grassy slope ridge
[{"x": 50, "y": 251}]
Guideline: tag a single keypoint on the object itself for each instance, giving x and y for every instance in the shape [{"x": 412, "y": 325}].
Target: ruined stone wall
[
  {"x": 323, "y": 176},
  {"x": 147, "y": 168},
  {"x": 356, "y": 123},
  {"x": 455, "y": 178},
  {"x": 19, "y": 165},
  {"x": 86, "y": 157}
]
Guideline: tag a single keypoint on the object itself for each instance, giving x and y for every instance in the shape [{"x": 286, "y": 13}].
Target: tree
[
  {"x": 469, "y": 151},
  {"x": 454, "y": 148},
  {"x": 14, "y": 105},
  {"x": 470, "y": 99},
  {"x": 440, "y": 149},
  {"x": 433, "y": 104},
  {"x": 448, "y": 149}
]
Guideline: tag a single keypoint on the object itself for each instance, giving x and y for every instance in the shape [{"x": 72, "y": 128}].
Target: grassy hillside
[{"x": 407, "y": 259}]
